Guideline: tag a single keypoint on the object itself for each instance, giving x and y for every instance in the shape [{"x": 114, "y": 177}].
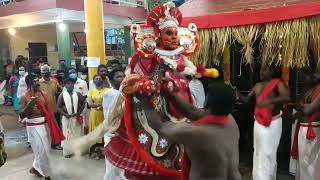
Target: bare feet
[{"x": 35, "y": 172}]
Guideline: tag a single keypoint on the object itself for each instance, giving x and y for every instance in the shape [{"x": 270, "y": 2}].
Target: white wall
[{"x": 38, "y": 34}]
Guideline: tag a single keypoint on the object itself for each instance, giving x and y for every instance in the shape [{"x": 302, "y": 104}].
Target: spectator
[
  {"x": 96, "y": 113},
  {"x": 51, "y": 88}
]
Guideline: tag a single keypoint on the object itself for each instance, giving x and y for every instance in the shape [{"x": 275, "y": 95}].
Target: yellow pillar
[{"x": 95, "y": 32}]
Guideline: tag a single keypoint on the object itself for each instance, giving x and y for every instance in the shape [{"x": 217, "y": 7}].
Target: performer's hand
[{"x": 130, "y": 84}]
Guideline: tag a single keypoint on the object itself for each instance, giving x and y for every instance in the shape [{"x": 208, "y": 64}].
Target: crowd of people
[{"x": 60, "y": 100}]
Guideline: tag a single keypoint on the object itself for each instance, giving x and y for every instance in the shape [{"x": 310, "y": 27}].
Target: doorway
[{"x": 38, "y": 51}]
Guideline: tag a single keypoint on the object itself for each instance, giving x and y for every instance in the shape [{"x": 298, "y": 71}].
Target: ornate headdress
[{"x": 164, "y": 16}]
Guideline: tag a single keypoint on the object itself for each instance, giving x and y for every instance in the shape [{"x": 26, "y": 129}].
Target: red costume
[{"x": 137, "y": 148}]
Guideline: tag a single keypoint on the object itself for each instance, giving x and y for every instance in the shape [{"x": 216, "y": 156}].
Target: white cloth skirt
[
  {"x": 293, "y": 162},
  {"x": 266, "y": 142},
  {"x": 38, "y": 138},
  {"x": 113, "y": 172},
  {"x": 309, "y": 155},
  {"x": 71, "y": 129}
]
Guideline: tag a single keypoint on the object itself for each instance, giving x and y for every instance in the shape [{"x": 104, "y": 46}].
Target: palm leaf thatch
[
  {"x": 314, "y": 31},
  {"x": 246, "y": 36},
  {"x": 212, "y": 44},
  {"x": 286, "y": 43}
]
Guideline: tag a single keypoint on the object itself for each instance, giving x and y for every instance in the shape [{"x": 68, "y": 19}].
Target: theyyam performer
[{"x": 162, "y": 50}]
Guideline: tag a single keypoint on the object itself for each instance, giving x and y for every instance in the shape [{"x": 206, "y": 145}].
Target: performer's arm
[
  {"x": 311, "y": 108},
  {"x": 175, "y": 132},
  {"x": 184, "y": 107},
  {"x": 25, "y": 107}
]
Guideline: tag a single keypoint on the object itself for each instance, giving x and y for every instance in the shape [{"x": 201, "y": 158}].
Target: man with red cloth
[
  {"x": 306, "y": 145},
  {"x": 211, "y": 137},
  {"x": 270, "y": 96},
  {"x": 35, "y": 109}
]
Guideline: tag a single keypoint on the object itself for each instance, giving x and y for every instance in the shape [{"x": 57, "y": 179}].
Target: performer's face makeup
[{"x": 169, "y": 38}]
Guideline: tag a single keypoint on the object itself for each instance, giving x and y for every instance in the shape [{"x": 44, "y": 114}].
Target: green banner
[{"x": 154, "y": 3}]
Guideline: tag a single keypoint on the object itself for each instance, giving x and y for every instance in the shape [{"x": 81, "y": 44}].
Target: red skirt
[{"x": 121, "y": 154}]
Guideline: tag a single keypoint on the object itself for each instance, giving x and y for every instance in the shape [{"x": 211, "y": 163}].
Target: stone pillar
[
  {"x": 64, "y": 42},
  {"x": 95, "y": 33}
]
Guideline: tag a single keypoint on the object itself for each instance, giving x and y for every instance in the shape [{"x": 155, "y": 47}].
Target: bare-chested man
[
  {"x": 270, "y": 96},
  {"x": 306, "y": 146},
  {"x": 36, "y": 127},
  {"x": 211, "y": 139}
]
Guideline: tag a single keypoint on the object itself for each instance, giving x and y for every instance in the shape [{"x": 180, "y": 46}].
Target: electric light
[{"x": 12, "y": 31}]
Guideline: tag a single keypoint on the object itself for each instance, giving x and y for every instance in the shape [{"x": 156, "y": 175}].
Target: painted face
[{"x": 169, "y": 38}]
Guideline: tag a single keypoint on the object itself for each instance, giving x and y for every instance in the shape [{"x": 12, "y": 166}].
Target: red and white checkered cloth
[{"x": 121, "y": 154}]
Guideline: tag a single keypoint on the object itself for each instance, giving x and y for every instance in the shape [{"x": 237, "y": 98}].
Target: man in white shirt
[
  {"x": 81, "y": 87},
  {"x": 116, "y": 76}
]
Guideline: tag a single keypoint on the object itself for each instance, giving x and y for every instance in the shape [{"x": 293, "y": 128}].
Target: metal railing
[{"x": 129, "y": 3}]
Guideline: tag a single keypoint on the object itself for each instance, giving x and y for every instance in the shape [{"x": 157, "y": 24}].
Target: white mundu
[
  {"x": 266, "y": 142},
  {"x": 38, "y": 138},
  {"x": 309, "y": 154},
  {"x": 70, "y": 126}
]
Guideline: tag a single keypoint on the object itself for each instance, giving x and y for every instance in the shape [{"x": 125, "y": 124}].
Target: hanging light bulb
[{"x": 12, "y": 31}]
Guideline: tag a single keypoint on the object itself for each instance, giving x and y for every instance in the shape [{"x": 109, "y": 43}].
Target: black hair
[
  {"x": 220, "y": 99},
  {"x": 113, "y": 72},
  {"x": 275, "y": 70},
  {"x": 72, "y": 68},
  {"x": 112, "y": 62},
  {"x": 29, "y": 79},
  {"x": 70, "y": 80},
  {"x": 95, "y": 76},
  {"x": 102, "y": 66}
]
